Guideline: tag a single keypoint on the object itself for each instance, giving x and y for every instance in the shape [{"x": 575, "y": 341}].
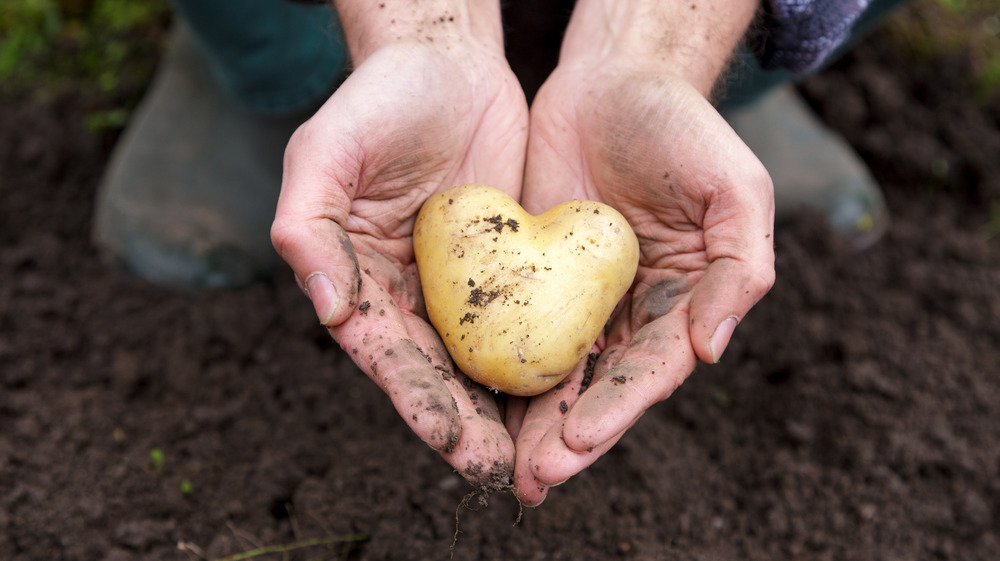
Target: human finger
[
  {"x": 375, "y": 337},
  {"x": 484, "y": 452},
  {"x": 542, "y": 413},
  {"x": 656, "y": 361},
  {"x": 738, "y": 231},
  {"x": 308, "y": 232}
]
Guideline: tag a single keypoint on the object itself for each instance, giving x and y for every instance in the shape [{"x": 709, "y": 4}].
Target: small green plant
[
  {"x": 111, "y": 119},
  {"x": 185, "y": 487},
  {"x": 158, "y": 458},
  {"x": 722, "y": 399}
]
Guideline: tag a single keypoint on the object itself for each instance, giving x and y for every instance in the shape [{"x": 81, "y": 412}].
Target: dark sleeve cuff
[{"x": 799, "y": 35}]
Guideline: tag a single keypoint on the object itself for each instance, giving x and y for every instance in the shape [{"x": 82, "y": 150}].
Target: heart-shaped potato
[{"x": 519, "y": 299}]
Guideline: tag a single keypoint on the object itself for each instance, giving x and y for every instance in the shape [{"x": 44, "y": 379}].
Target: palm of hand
[
  {"x": 405, "y": 125},
  {"x": 701, "y": 206}
]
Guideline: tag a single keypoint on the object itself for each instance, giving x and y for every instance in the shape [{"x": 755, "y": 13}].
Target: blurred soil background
[{"x": 854, "y": 415}]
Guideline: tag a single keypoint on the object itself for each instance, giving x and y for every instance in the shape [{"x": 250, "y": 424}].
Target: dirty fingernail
[
  {"x": 720, "y": 339},
  {"x": 542, "y": 489},
  {"x": 530, "y": 504},
  {"x": 324, "y": 297}
]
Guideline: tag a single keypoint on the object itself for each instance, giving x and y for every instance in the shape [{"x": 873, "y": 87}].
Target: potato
[{"x": 518, "y": 299}]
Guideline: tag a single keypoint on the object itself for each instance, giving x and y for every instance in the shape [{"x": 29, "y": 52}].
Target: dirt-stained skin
[
  {"x": 348, "y": 248},
  {"x": 659, "y": 300}
]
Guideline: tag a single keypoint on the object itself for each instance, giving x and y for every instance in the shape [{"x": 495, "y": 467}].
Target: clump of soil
[{"x": 853, "y": 415}]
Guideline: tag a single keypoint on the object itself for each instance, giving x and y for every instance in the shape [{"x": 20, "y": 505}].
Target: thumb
[
  {"x": 720, "y": 301},
  {"x": 741, "y": 271},
  {"x": 308, "y": 234}
]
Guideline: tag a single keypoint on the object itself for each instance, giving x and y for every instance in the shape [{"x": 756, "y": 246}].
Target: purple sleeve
[{"x": 799, "y": 34}]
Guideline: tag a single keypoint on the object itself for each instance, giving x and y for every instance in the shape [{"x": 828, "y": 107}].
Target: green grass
[
  {"x": 158, "y": 458},
  {"x": 27, "y": 27},
  {"x": 100, "y": 51},
  {"x": 87, "y": 37},
  {"x": 927, "y": 29}
]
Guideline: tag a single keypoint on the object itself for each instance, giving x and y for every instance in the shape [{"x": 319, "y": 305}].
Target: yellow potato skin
[{"x": 519, "y": 299}]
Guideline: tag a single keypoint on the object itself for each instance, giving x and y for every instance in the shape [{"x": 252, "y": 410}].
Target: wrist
[
  {"x": 690, "y": 39},
  {"x": 445, "y": 24}
]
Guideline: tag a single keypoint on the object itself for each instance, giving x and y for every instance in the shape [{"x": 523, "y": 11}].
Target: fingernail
[
  {"x": 527, "y": 503},
  {"x": 542, "y": 490},
  {"x": 720, "y": 339},
  {"x": 320, "y": 290}
]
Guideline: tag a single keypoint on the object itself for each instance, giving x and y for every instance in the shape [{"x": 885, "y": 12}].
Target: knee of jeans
[{"x": 272, "y": 56}]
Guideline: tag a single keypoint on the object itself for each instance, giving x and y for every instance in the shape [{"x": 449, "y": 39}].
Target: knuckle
[
  {"x": 284, "y": 236},
  {"x": 762, "y": 282}
]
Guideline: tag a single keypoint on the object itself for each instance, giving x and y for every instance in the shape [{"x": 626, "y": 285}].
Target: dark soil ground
[{"x": 854, "y": 415}]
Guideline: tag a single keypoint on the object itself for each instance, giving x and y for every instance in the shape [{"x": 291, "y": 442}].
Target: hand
[
  {"x": 414, "y": 118},
  {"x": 650, "y": 145}
]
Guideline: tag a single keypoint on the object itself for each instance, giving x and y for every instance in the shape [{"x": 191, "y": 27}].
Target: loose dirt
[{"x": 852, "y": 417}]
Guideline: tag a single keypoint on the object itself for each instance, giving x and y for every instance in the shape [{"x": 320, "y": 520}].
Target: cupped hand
[
  {"x": 651, "y": 146},
  {"x": 411, "y": 120}
]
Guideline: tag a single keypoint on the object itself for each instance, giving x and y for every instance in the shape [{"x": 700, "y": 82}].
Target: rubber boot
[
  {"x": 190, "y": 191},
  {"x": 813, "y": 169}
]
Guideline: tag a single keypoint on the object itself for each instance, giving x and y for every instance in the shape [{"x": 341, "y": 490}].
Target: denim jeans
[{"x": 277, "y": 56}]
